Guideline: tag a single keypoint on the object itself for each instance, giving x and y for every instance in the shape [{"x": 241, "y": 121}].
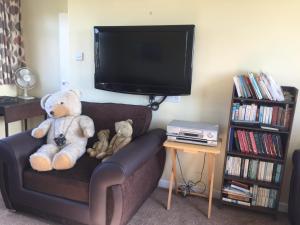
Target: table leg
[
  {"x": 211, "y": 182},
  {"x": 172, "y": 176},
  {"x": 6, "y": 129},
  {"x": 174, "y": 169},
  {"x": 209, "y": 169}
]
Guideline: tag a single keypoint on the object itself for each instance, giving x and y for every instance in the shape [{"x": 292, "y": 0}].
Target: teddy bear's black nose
[{"x": 51, "y": 112}]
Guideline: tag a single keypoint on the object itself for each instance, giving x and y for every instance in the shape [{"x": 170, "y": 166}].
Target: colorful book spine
[
  {"x": 257, "y": 143},
  {"x": 259, "y": 86}
]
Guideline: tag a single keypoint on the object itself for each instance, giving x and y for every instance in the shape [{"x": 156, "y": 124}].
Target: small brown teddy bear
[
  {"x": 122, "y": 137},
  {"x": 100, "y": 147}
]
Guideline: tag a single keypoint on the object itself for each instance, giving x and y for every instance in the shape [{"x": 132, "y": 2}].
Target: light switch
[{"x": 79, "y": 56}]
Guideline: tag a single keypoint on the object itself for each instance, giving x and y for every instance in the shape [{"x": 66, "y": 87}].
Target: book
[
  {"x": 245, "y": 186},
  {"x": 248, "y": 142},
  {"x": 238, "y": 197},
  {"x": 255, "y": 85},
  {"x": 253, "y": 144},
  {"x": 246, "y": 165},
  {"x": 277, "y": 175},
  {"x": 237, "y": 144},
  {"x": 237, "y": 86},
  {"x": 236, "y": 201},
  {"x": 243, "y": 85},
  {"x": 274, "y": 115}
]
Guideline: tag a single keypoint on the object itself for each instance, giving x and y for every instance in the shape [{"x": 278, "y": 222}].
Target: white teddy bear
[{"x": 66, "y": 129}]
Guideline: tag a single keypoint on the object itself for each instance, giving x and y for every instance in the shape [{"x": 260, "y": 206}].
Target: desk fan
[{"x": 25, "y": 79}]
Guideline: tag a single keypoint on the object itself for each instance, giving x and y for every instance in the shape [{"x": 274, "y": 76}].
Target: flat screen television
[{"x": 146, "y": 60}]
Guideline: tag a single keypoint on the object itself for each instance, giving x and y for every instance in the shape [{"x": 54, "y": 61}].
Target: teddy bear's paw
[
  {"x": 93, "y": 154},
  {"x": 88, "y": 133},
  {"x": 89, "y": 150},
  {"x": 38, "y": 133},
  {"x": 101, "y": 155},
  {"x": 62, "y": 161},
  {"x": 40, "y": 162}
]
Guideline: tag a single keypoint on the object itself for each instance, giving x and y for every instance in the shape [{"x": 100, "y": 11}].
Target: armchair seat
[{"x": 72, "y": 184}]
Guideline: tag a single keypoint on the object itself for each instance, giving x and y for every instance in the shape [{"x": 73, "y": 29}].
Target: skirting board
[{"x": 283, "y": 206}]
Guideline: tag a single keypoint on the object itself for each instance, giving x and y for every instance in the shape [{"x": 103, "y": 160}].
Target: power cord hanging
[
  {"x": 154, "y": 105},
  {"x": 188, "y": 186}
]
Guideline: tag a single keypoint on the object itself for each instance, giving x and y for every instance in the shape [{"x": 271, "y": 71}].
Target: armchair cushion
[{"x": 71, "y": 184}]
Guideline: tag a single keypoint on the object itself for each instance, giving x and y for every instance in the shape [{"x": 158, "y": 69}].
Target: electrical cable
[
  {"x": 188, "y": 186},
  {"x": 154, "y": 105}
]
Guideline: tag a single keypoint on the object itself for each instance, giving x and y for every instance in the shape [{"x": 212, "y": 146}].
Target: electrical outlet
[{"x": 173, "y": 99}]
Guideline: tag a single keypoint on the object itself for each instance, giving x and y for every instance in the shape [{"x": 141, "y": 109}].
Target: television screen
[{"x": 149, "y": 60}]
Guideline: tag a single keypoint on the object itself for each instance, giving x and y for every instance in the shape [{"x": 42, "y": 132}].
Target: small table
[
  {"x": 211, "y": 152},
  {"x": 14, "y": 109}
]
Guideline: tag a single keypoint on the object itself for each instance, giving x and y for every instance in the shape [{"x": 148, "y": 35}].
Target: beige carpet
[{"x": 184, "y": 211}]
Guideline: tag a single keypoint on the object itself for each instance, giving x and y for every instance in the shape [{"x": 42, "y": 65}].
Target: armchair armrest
[
  {"x": 115, "y": 170},
  {"x": 294, "y": 194},
  {"x": 296, "y": 157},
  {"x": 14, "y": 151}
]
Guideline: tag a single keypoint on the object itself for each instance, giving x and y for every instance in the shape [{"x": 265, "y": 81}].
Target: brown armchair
[{"x": 91, "y": 192}]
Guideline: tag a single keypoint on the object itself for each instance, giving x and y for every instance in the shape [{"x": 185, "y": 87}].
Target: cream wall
[
  {"x": 231, "y": 37},
  {"x": 40, "y": 25},
  {"x": 41, "y": 31}
]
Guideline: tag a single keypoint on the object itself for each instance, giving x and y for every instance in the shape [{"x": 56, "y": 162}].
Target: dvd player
[{"x": 193, "y": 132}]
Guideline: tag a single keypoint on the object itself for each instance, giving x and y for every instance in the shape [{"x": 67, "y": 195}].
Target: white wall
[
  {"x": 231, "y": 37},
  {"x": 63, "y": 49},
  {"x": 40, "y": 22}
]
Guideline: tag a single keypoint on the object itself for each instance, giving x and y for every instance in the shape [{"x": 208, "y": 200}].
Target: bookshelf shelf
[
  {"x": 253, "y": 208},
  {"x": 247, "y": 181},
  {"x": 240, "y": 134},
  {"x": 259, "y": 157},
  {"x": 255, "y": 128},
  {"x": 262, "y": 126},
  {"x": 263, "y": 101}
]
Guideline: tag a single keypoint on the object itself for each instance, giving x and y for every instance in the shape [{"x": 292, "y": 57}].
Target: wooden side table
[
  {"x": 211, "y": 152},
  {"x": 14, "y": 109}
]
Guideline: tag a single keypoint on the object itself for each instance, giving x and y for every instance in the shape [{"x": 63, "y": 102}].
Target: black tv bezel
[{"x": 148, "y": 89}]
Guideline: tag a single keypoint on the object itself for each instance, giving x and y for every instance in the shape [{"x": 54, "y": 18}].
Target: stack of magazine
[{"x": 248, "y": 195}]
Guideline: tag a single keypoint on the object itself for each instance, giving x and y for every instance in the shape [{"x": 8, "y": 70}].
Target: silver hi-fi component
[{"x": 193, "y": 132}]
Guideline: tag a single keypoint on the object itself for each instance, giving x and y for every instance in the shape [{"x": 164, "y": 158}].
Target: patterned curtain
[{"x": 11, "y": 46}]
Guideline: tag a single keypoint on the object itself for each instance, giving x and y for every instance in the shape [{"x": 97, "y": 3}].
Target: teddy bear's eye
[{"x": 62, "y": 103}]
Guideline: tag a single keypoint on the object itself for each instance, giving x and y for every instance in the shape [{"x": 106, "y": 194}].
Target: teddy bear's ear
[
  {"x": 130, "y": 121},
  {"x": 76, "y": 91},
  {"x": 44, "y": 99}
]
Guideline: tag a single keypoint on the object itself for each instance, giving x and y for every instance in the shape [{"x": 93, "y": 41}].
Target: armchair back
[{"x": 105, "y": 115}]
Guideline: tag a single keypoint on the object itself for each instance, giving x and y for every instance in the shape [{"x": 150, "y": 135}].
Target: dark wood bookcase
[{"x": 284, "y": 133}]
